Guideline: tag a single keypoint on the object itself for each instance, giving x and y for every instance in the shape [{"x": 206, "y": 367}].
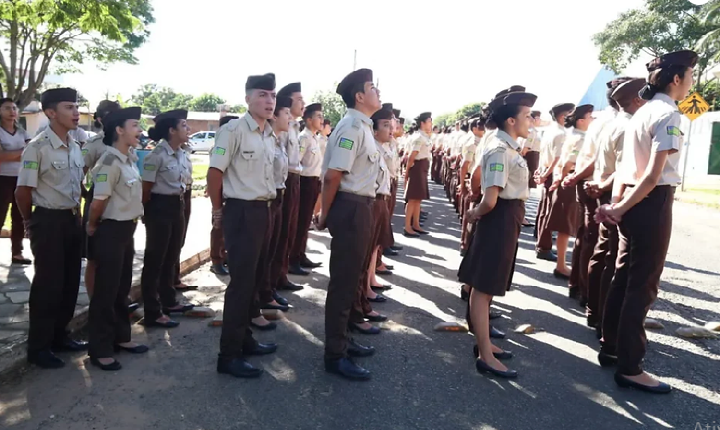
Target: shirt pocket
[
  {"x": 171, "y": 173},
  {"x": 251, "y": 155}
]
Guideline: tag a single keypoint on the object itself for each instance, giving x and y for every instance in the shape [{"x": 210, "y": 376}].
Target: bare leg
[
  {"x": 409, "y": 213},
  {"x": 479, "y": 311},
  {"x": 562, "y": 246},
  {"x": 371, "y": 275},
  {"x": 416, "y": 214}
]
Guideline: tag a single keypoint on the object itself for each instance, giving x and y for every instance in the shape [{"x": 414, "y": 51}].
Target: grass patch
[
  {"x": 705, "y": 191},
  {"x": 199, "y": 172}
]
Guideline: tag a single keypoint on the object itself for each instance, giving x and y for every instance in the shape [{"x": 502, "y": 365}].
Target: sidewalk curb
[{"x": 13, "y": 357}]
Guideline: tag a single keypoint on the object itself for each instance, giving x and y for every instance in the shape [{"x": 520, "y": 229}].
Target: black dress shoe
[
  {"x": 396, "y": 248},
  {"x": 115, "y": 365},
  {"x": 346, "y": 368},
  {"x": 381, "y": 287},
  {"x": 383, "y": 272},
  {"x": 45, "y": 359},
  {"x": 503, "y": 355},
  {"x": 481, "y": 367},
  {"x": 464, "y": 295},
  {"x": 598, "y": 331},
  {"x": 421, "y": 232},
  {"x": 378, "y": 299},
  {"x": 607, "y": 360},
  {"x": 137, "y": 349},
  {"x": 21, "y": 261},
  {"x": 277, "y": 307},
  {"x": 413, "y": 235},
  {"x": 267, "y": 327},
  {"x": 309, "y": 264},
  {"x": 260, "y": 349},
  {"x": 132, "y": 307},
  {"x": 355, "y": 328},
  {"x": 295, "y": 269},
  {"x": 376, "y": 318},
  {"x": 574, "y": 293},
  {"x": 463, "y": 252},
  {"x": 389, "y": 266},
  {"x": 560, "y": 275},
  {"x": 495, "y": 315},
  {"x": 354, "y": 349},
  {"x": 390, "y": 252},
  {"x": 280, "y": 299},
  {"x": 624, "y": 382},
  {"x": 237, "y": 367},
  {"x": 70, "y": 345},
  {"x": 546, "y": 255},
  {"x": 496, "y": 334},
  {"x": 184, "y": 308},
  {"x": 290, "y": 286},
  {"x": 219, "y": 269},
  {"x": 166, "y": 324}
]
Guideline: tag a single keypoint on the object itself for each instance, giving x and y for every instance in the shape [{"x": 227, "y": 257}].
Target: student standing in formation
[
  {"x": 490, "y": 262},
  {"x": 565, "y": 215},
  {"x": 311, "y": 156},
  {"x": 531, "y": 153},
  {"x": 50, "y": 179},
  {"x": 326, "y": 130},
  {"x": 92, "y": 151},
  {"x": 241, "y": 186},
  {"x": 218, "y": 255},
  {"x": 268, "y": 297},
  {"x": 392, "y": 159},
  {"x": 610, "y": 145},
  {"x": 647, "y": 177},
  {"x": 417, "y": 186},
  {"x": 164, "y": 182},
  {"x": 350, "y": 170},
  {"x": 187, "y": 202},
  {"x": 550, "y": 151},
  {"x": 13, "y": 140},
  {"x": 477, "y": 128},
  {"x": 114, "y": 212}
]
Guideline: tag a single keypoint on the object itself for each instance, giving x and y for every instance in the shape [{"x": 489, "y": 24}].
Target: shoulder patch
[
  {"x": 219, "y": 151},
  {"x": 497, "y": 167},
  {"x": 30, "y": 165},
  {"x": 101, "y": 177},
  {"x": 346, "y": 143},
  {"x": 674, "y": 131},
  {"x": 149, "y": 167},
  {"x": 84, "y": 151}
]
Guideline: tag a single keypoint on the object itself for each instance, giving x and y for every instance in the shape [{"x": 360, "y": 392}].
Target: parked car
[{"x": 202, "y": 141}]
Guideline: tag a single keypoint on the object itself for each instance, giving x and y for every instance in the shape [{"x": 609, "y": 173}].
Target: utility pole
[{"x": 355, "y": 60}]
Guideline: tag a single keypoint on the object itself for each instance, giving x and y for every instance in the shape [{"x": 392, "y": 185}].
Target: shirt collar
[
  {"x": 354, "y": 113},
  {"x": 254, "y": 125},
  {"x": 165, "y": 145},
  {"x": 117, "y": 153},
  {"x": 55, "y": 139},
  {"x": 507, "y": 139},
  {"x": 576, "y": 131},
  {"x": 665, "y": 98}
]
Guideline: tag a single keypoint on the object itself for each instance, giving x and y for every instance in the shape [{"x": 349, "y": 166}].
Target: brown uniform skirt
[
  {"x": 488, "y": 265},
  {"x": 382, "y": 234},
  {"x": 533, "y": 161},
  {"x": 417, "y": 186},
  {"x": 564, "y": 214}
]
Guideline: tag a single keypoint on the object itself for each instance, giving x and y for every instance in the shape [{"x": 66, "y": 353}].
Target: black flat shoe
[
  {"x": 560, "y": 275},
  {"x": 297, "y": 270},
  {"x": 378, "y": 299},
  {"x": 237, "y": 367},
  {"x": 389, "y": 266},
  {"x": 346, "y": 368},
  {"x": 383, "y": 272},
  {"x": 115, "y": 365},
  {"x": 421, "y": 232},
  {"x": 504, "y": 355},
  {"x": 166, "y": 324},
  {"x": 381, "y": 287},
  {"x": 495, "y": 315},
  {"x": 355, "y": 328},
  {"x": 280, "y": 299},
  {"x": 483, "y": 367},
  {"x": 219, "y": 269},
  {"x": 137, "y": 349},
  {"x": 45, "y": 360},
  {"x": 390, "y": 253},
  {"x": 267, "y": 327},
  {"x": 546, "y": 255},
  {"x": 496, "y": 334},
  {"x": 354, "y": 349},
  {"x": 306, "y": 263},
  {"x": 376, "y": 318},
  {"x": 290, "y": 286},
  {"x": 464, "y": 295},
  {"x": 70, "y": 345},
  {"x": 132, "y": 307},
  {"x": 186, "y": 287},
  {"x": 396, "y": 248},
  {"x": 574, "y": 293},
  {"x": 21, "y": 261},
  {"x": 624, "y": 382},
  {"x": 463, "y": 252},
  {"x": 277, "y": 307},
  {"x": 184, "y": 308},
  {"x": 260, "y": 349},
  {"x": 607, "y": 360},
  {"x": 413, "y": 235}
]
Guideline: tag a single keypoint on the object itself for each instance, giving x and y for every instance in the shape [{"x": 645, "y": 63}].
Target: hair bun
[{"x": 153, "y": 134}]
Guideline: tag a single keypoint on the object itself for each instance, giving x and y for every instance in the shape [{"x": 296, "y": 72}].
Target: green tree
[
  {"x": 464, "y": 112},
  {"x": 63, "y": 34},
  {"x": 238, "y": 109},
  {"x": 206, "y": 103},
  {"x": 333, "y": 105},
  {"x": 154, "y": 99}
]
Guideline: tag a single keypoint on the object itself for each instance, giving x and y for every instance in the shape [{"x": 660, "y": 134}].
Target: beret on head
[
  {"x": 581, "y": 111},
  {"x": 560, "y": 108},
  {"x": 261, "y": 82},
  {"x": 387, "y": 106},
  {"x": 685, "y": 58},
  {"x": 402, "y": 120},
  {"x": 630, "y": 88},
  {"x": 104, "y": 107},
  {"x": 396, "y": 112},
  {"x": 312, "y": 108},
  {"x": 359, "y": 76},
  {"x": 58, "y": 95},
  {"x": 226, "y": 119},
  {"x": 423, "y": 117},
  {"x": 504, "y": 98},
  {"x": 290, "y": 89},
  {"x": 173, "y": 114},
  {"x": 282, "y": 102},
  {"x": 382, "y": 114}
]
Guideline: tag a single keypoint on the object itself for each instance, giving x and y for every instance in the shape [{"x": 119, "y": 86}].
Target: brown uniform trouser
[
  {"x": 266, "y": 286},
  {"x": 585, "y": 241},
  {"x": 245, "y": 226},
  {"x": 7, "y": 198},
  {"x": 544, "y": 239},
  {"x": 55, "y": 241},
  {"x": 164, "y": 228},
  {"x": 361, "y": 305},
  {"x": 291, "y": 201},
  {"x": 109, "y": 321},
  {"x": 601, "y": 268},
  {"x": 187, "y": 198},
  {"x": 645, "y": 232},
  {"x": 309, "y": 191},
  {"x": 351, "y": 223}
]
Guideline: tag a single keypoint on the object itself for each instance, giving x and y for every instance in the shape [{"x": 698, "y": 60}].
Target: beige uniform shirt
[
  {"x": 291, "y": 141},
  {"x": 311, "y": 155},
  {"x": 552, "y": 143},
  {"x": 610, "y": 145},
  {"x": 280, "y": 166},
  {"x": 246, "y": 156},
  {"x": 352, "y": 150},
  {"x": 468, "y": 152},
  {"x": 422, "y": 144},
  {"x": 570, "y": 150},
  {"x": 504, "y": 167},
  {"x": 532, "y": 142},
  {"x": 384, "y": 175},
  {"x": 117, "y": 179},
  {"x": 167, "y": 169},
  {"x": 12, "y": 142},
  {"x": 655, "y": 127},
  {"x": 590, "y": 147},
  {"x": 188, "y": 166},
  {"x": 482, "y": 145},
  {"x": 54, "y": 170},
  {"x": 94, "y": 148},
  {"x": 393, "y": 160}
]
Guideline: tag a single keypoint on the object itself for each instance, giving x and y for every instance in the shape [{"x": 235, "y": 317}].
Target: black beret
[
  {"x": 685, "y": 58},
  {"x": 628, "y": 88},
  {"x": 226, "y": 119},
  {"x": 402, "y": 120},
  {"x": 359, "y": 76},
  {"x": 382, "y": 114},
  {"x": 581, "y": 111},
  {"x": 513, "y": 98},
  {"x": 617, "y": 81},
  {"x": 560, "y": 108},
  {"x": 387, "y": 106},
  {"x": 118, "y": 117},
  {"x": 311, "y": 108},
  {"x": 282, "y": 102},
  {"x": 173, "y": 114},
  {"x": 423, "y": 117},
  {"x": 513, "y": 89},
  {"x": 261, "y": 82},
  {"x": 396, "y": 112},
  {"x": 57, "y": 95},
  {"x": 105, "y": 107},
  {"x": 535, "y": 114},
  {"x": 290, "y": 89}
]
